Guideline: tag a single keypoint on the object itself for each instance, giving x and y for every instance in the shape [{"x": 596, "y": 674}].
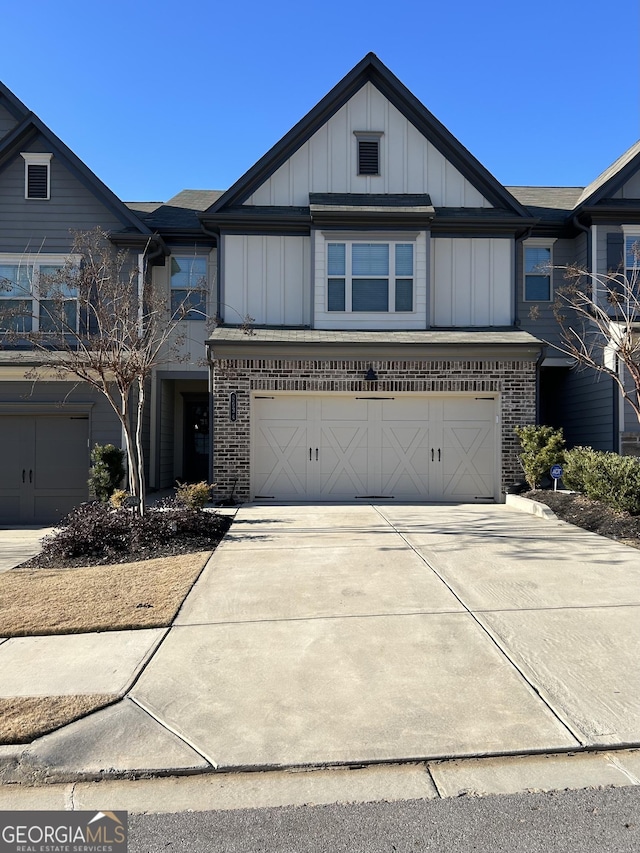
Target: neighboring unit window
[
  {"x": 35, "y": 298},
  {"x": 368, "y": 153},
  {"x": 632, "y": 256},
  {"x": 370, "y": 277},
  {"x": 189, "y": 286},
  {"x": 37, "y": 176},
  {"x": 537, "y": 273}
]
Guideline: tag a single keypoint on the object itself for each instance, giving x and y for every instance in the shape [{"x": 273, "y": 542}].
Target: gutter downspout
[{"x": 215, "y": 234}]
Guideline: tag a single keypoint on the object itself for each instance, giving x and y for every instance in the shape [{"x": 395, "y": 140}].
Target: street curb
[{"x": 530, "y": 507}]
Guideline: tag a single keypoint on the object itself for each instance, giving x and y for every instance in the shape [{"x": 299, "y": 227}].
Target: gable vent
[
  {"x": 37, "y": 180},
  {"x": 368, "y": 156}
]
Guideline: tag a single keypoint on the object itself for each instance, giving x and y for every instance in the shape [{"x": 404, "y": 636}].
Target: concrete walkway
[
  {"x": 18, "y": 544},
  {"x": 368, "y": 634}
]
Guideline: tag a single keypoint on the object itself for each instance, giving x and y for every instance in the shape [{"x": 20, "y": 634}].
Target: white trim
[
  {"x": 33, "y": 159},
  {"x": 35, "y": 261},
  {"x": 537, "y": 243}
]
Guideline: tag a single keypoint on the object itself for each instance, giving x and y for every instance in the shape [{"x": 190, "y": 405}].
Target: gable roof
[
  {"x": 371, "y": 69},
  {"x": 613, "y": 177},
  {"x": 30, "y": 127}
]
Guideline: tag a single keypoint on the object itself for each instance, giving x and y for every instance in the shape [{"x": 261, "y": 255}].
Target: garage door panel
[
  {"x": 406, "y": 448},
  {"x": 47, "y": 467}
]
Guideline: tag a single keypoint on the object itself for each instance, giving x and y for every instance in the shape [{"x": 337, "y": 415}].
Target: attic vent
[
  {"x": 37, "y": 180},
  {"x": 368, "y": 157},
  {"x": 368, "y": 153},
  {"x": 37, "y": 183}
]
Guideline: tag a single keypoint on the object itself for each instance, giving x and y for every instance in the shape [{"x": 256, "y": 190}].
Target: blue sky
[{"x": 160, "y": 96}]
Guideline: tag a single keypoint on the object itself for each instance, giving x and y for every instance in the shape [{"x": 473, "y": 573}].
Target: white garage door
[{"x": 374, "y": 446}]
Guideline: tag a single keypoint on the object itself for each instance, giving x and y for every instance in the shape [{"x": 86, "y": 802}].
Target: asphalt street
[{"x": 587, "y": 821}]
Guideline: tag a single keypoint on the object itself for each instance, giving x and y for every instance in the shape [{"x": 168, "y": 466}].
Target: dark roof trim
[
  {"x": 610, "y": 181},
  {"x": 371, "y": 69},
  {"x": 15, "y": 106},
  {"x": 142, "y": 242}
]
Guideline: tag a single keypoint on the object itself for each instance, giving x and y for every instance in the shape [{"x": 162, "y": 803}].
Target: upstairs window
[
  {"x": 537, "y": 272},
  {"x": 37, "y": 176},
  {"x": 370, "y": 277},
  {"x": 35, "y": 297},
  {"x": 189, "y": 286},
  {"x": 368, "y": 153}
]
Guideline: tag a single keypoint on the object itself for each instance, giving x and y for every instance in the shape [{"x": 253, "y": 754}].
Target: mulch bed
[{"x": 591, "y": 515}]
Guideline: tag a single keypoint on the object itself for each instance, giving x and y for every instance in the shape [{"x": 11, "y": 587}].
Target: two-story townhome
[
  {"x": 48, "y": 427},
  {"x": 377, "y": 258},
  {"x": 382, "y": 308}
]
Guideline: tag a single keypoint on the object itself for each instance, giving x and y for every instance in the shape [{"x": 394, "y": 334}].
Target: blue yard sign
[{"x": 556, "y": 473}]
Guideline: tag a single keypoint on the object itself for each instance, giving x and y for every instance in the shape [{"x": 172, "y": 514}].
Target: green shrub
[
  {"x": 194, "y": 495},
  {"x": 606, "y": 477},
  {"x": 107, "y": 470},
  {"x": 578, "y": 463},
  {"x": 542, "y": 447}
]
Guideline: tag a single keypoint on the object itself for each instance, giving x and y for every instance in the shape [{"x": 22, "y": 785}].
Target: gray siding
[
  {"x": 582, "y": 403},
  {"x": 166, "y": 438},
  {"x": 581, "y": 248},
  {"x": 7, "y": 122},
  {"x": 105, "y": 427},
  {"x": 545, "y": 326},
  {"x": 34, "y": 225}
]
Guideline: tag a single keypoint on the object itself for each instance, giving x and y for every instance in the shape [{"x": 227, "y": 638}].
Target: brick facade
[{"x": 514, "y": 380}]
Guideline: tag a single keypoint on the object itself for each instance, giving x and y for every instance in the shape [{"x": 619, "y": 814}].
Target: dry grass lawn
[
  {"x": 23, "y": 719},
  {"x": 115, "y": 597}
]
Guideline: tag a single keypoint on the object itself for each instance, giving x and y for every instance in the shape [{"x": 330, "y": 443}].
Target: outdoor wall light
[{"x": 371, "y": 375}]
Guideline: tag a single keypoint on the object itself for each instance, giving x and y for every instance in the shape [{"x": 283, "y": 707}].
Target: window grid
[
  {"x": 537, "y": 274},
  {"x": 189, "y": 286},
  {"x": 372, "y": 277}
]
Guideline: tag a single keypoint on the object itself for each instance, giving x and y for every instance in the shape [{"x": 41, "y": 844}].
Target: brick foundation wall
[{"x": 514, "y": 380}]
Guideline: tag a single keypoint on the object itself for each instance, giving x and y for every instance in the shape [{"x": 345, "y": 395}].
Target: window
[
  {"x": 631, "y": 254},
  {"x": 537, "y": 271},
  {"x": 34, "y": 296},
  {"x": 370, "y": 277},
  {"x": 37, "y": 176},
  {"x": 189, "y": 286},
  {"x": 368, "y": 152}
]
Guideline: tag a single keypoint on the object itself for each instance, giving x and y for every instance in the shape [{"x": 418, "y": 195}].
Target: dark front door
[{"x": 196, "y": 439}]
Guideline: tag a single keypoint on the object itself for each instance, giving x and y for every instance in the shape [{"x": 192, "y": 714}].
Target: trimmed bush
[
  {"x": 194, "y": 495},
  {"x": 542, "y": 447},
  {"x": 606, "y": 477},
  {"x": 107, "y": 470}
]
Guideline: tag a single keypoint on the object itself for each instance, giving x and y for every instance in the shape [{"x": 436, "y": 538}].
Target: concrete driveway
[{"x": 368, "y": 633}]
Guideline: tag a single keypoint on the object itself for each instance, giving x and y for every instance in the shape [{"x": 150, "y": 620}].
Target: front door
[{"x": 196, "y": 439}]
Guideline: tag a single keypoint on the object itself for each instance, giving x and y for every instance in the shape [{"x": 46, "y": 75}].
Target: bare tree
[
  {"x": 100, "y": 322},
  {"x": 599, "y": 319}
]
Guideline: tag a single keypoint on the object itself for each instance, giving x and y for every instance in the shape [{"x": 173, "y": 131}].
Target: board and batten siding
[
  {"x": 34, "y": 225},
  {"x": 327, "y": 162},
  {"x": 267, "y": 278},
  {"x": 416, "y": 319},
  {"x": 471, "y": 281}
]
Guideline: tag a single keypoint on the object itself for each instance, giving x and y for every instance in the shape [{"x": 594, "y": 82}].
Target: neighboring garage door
[
  {"x": 374, "y": 446},
  {"x": 45, "y": 467}
]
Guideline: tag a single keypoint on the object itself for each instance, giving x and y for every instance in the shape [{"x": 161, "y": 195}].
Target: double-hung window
[
  {"x": 632, "y": 256},
  {"x": 537, "y": 271},
  {"x": 189, "y": 286},
  {"x": 37, "y": 295},
  {"x": 370, "y": 277}
]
